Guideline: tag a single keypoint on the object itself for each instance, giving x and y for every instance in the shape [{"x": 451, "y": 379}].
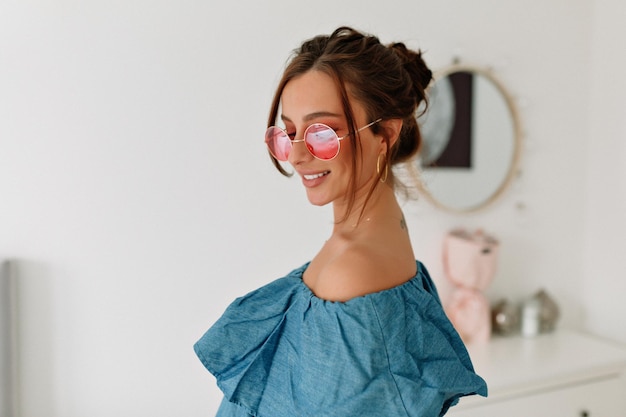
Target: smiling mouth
[{"x": 315, "y": 176}]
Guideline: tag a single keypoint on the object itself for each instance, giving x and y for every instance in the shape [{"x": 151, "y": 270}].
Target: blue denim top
[{"x": 280, "y": 351}]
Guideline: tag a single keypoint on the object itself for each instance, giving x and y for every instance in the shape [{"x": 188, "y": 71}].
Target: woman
[{"x": 358, "y": 331}]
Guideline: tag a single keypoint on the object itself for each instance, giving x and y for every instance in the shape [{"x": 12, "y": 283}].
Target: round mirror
[{"x": 471, "y": 139}]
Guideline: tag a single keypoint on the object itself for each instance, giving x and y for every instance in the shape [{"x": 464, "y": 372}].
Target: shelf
[{"x": 517, "y": 366}]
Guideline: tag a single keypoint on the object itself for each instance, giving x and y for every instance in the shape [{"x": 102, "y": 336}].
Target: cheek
[
  {"x": 365, "y": 159},
  {"x": 344, "y": 159},
  {"x": 363, "y": 165}
]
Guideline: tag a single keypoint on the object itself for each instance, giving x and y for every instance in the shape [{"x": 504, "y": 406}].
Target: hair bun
[{"x": 415, "y": 66}]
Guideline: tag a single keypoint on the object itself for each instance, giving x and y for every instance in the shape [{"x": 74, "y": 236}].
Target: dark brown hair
[{"x": 389, "y": 81}]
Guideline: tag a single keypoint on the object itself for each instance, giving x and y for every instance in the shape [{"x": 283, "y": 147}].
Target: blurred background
[{"x": 137, "y": 199}]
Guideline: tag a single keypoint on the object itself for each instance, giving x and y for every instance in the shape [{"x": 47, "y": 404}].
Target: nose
[{"x": 299, "y": 152}]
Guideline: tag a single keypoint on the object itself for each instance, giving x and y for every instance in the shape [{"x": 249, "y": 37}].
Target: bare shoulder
[{"x": 359, "y": 271}]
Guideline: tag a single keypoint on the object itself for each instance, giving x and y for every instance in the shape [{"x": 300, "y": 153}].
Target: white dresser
[{"x": 562, "y": 374}]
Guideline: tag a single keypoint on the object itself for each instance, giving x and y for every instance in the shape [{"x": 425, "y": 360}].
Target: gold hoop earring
[{"x": 382, "y": 178}]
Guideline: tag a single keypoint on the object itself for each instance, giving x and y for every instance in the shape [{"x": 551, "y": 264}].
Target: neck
[{"x": 381, "y": 206}]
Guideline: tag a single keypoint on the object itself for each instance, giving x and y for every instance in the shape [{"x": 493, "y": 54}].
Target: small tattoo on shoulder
[{"x": 403, "y": 223}]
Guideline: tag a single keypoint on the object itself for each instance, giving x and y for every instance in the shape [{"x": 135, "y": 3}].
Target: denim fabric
[{"x": 280, "y": 351}]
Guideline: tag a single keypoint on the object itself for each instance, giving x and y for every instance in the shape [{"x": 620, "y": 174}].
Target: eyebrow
[{"x": 313, "y": 116}]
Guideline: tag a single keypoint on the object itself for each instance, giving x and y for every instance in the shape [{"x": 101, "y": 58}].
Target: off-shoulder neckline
[{"x": 299, "y": 273}]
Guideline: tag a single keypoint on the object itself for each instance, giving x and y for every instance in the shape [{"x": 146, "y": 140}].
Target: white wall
[
  {"x": 136, "y": 195},
  {"x": 605, "y": 199}
]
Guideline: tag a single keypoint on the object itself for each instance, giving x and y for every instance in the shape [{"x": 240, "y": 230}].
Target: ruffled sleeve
[
  {"x": 239, "y": 346},
  {"x": 282, "y": 352}
]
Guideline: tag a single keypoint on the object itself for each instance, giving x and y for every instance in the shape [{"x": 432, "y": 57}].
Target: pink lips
[{"x": 314, "y": 179}]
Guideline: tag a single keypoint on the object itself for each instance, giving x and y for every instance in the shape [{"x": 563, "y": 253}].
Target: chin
[
  {"x": 318, "y": 203},
  {"x": 317, "y": 200}
]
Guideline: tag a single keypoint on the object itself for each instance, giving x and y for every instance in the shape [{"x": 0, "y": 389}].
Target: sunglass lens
[
  {"x": 322, "y": 141},
  {"x": 278, "y": 143}
]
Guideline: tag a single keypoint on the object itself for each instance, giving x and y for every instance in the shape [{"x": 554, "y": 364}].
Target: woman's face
[{"x": 314, "y": 98}]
